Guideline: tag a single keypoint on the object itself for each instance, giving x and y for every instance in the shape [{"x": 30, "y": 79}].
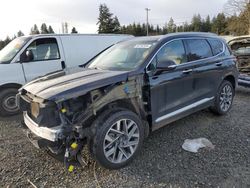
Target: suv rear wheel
[
  {"x": 8, "y": 105},
  {"x": 118, "y": 139},
  {"x": 224, "y": 98}
]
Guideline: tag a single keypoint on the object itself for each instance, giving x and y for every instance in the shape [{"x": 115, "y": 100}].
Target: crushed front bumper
[
  {"x": 66, "y": 149},
  {"x": 51, "y": 134}
]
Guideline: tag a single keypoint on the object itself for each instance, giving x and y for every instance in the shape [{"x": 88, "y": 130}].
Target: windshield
[
  {"x": 9, "y": 51},
  {"x": 123, "y": 56}
]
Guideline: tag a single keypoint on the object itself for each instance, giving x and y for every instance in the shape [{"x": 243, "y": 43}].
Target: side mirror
[
  {"x": 166, "y": 65},
  {"x": 27, "y": 56}
]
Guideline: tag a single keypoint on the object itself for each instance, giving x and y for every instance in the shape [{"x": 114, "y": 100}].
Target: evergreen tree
[
  {"x": 207, "y": 25},
  {"x": 106, "y": 22},
  {"x": 116, "y": 25},
  {"x": 144, "y": 29},
  {"x": 219, "y": 24},
  {"x": 44, "y": 29},
  {"x": 158, "y": 30},
  {"x": 7, "y": 40},
  {"x": 2, "y": 44},
  {"x": 171, "y": 27},
  {"x": 34, "y": 30},
  {"x": 196, "y": 23},
  {"x": 19, "y": 33},
  {"x": 74, "y": 30},
  {"x": 186, "y": 27},
  {"x": 165, "y": 29},
  {"x": 50, "y": 30}
]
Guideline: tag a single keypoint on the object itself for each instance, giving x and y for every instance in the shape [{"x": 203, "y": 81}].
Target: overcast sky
[{"x": 23, "y": 14}]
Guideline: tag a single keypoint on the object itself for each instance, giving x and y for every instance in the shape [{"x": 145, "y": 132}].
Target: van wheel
[
  {"x": 118, "y": 139},
  {"x": 223, "y": 98},
  {"x": 8, "y": 104}
]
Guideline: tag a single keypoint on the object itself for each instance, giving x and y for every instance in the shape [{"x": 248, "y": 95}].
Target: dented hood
[{"x": 63, "y": 85}]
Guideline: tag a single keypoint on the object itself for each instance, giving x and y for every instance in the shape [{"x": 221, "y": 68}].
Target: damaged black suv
[{"x": 129, "y": 90}]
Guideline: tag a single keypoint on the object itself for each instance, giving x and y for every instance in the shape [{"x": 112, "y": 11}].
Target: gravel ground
[{"x": 162, "y": 162}]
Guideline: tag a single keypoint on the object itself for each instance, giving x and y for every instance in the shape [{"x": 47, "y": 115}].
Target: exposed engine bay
[{"x": 241, "y": 49}]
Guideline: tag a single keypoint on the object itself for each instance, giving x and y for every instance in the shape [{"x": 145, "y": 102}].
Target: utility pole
[{"x": 147, "y": 9}]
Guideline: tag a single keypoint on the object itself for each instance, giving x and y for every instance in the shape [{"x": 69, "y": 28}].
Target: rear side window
[
  {"x": 216, "y": 45},
  {"x": 198, "y": 49}
]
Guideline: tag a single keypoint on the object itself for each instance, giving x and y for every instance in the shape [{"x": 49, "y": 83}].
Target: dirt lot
[{"x": 162, "y": 162}]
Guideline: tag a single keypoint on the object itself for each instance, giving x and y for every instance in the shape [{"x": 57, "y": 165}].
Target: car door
[
  {"x": 41, "y": 57},
  {"x": 170, "y": 91},
  {"x": 207, "y": 67}
]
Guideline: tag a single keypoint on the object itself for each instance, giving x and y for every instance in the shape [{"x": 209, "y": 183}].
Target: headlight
[{"x": 35, "y": 109}]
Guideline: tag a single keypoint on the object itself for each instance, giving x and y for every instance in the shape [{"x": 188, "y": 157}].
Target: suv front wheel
[
  {"x": 224, "y": 98},
  {"x": 118, "y": 138}
]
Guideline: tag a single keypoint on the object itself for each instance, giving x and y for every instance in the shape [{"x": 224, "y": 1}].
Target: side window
[
  {"x": 198, "y": 49},
  {"x": 173, "y": 51},
  {"x": 216, "y": 45},
  {"x": 44, "y": 49}
]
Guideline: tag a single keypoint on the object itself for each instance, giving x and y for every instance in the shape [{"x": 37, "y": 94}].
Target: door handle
[
  {"x": 187, "y": 71},
  {"x": 63, "y": 64},
  {"x": 218, "y": 64}
]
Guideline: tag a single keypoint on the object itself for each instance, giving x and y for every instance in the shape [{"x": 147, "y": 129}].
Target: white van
[{"x": 26, "y": 58}]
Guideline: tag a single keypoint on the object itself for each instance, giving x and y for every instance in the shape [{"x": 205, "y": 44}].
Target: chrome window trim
[
  {"x": 203, "y": 38},
  {"x": 181, "y": 110}
]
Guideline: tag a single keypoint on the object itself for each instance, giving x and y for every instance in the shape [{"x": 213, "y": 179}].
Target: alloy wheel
[
  {"x": 121, "y": 141},
  {"x": 226, "y": 98}
]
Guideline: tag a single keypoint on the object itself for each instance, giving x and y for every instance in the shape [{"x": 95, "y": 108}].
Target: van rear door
[{"x": 45, "y": 57}]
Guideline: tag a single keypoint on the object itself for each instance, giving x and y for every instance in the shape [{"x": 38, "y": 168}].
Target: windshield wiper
[{"x": 85, "y": 64}]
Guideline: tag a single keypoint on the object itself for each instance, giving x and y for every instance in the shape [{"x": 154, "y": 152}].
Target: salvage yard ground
[{"x": 162, "y": 162}]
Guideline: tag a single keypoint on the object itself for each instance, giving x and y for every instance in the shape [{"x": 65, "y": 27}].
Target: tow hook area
[{"x": 72, "y": 156}]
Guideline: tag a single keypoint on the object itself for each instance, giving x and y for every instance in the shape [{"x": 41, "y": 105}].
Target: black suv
[{"x": 129, "y": 90}]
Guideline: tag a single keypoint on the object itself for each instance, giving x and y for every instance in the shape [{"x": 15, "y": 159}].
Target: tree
[
  {"x": 207, "y": 24},
  {"x": 34, "y": 30},
  {"x": 50, "y": 30},
  {"x": 158, "y": 30},
  {"x": 74, "y": 30},
  {"x": 239, "y": 13},
  {"x": 186, "y": 27},
  {"x": 7, "y": 40},
  {"x": 196, "y": 23},
  {"x": 219, "y": 24},
  {"x": 233, "y": 7},
  {"x": 20, "y": 33},
  {"x": 44, "y": 29},
  {"x": 106, "y": 23},
  {"x": 1, "y": 44},
  {"x": 171, "y": 27},
  {"x": 116, "y": 25}
]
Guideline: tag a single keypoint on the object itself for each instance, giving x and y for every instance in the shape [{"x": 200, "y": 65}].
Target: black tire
[
  {"x": 102, "y": 126},
  {"x": 218, "y": 108},
  {"x": 7, "y": 100}
]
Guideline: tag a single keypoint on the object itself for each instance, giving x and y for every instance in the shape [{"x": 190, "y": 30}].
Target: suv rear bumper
[{"x": 51, "y": 134}]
